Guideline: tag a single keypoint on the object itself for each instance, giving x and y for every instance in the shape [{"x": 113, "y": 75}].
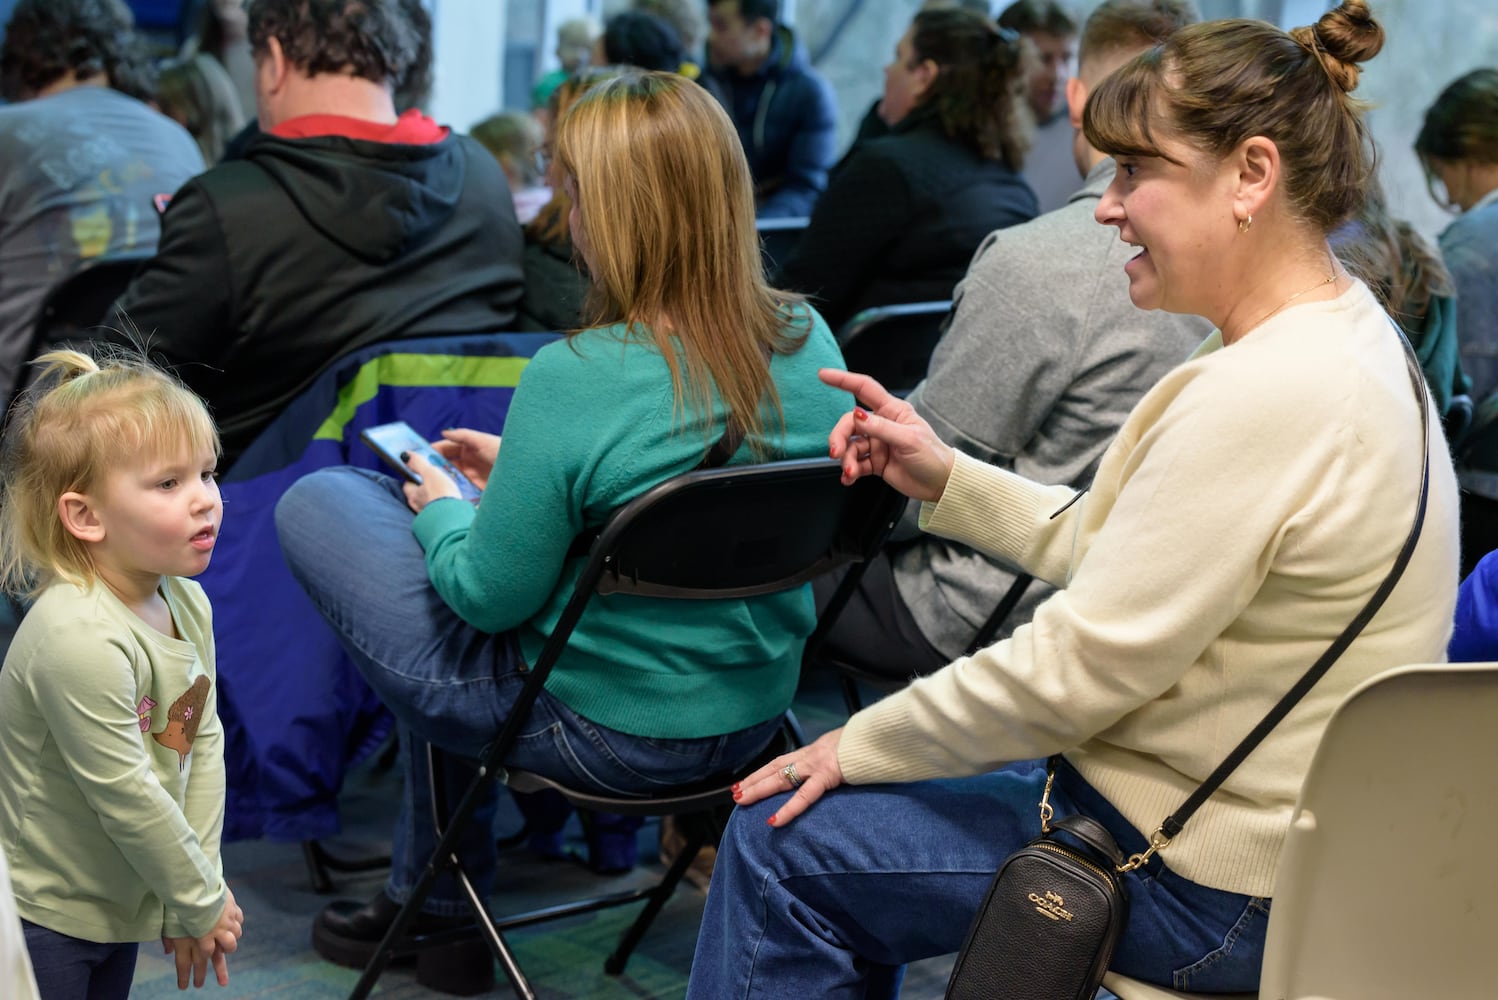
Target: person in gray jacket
[{"x": 1044, "y": 357}]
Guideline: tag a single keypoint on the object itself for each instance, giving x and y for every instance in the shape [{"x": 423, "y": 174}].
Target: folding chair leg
[
  {"x": 497, "y": 942},
  {"x": 614, "y": 964},
  {"x": 443, "y": 857},
  {"x": 852, "y": 697},
  {"x": 793, "y": 726}
]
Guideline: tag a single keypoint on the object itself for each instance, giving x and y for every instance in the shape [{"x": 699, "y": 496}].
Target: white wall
[
  {"x": 468, "y": 55},
  {"x": 1429, "y": 44}
]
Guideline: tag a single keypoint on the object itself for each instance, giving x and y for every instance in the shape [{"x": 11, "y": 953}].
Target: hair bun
[{"x": 1342, "y": 39}]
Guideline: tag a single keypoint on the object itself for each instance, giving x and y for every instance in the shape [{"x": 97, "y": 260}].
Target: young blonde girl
[{"x": 111, "y": 766}]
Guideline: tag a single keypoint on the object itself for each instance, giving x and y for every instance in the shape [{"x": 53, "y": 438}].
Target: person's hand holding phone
[
  {"x": 473, "y": 453},
  {"x": 435, "y": 482}
]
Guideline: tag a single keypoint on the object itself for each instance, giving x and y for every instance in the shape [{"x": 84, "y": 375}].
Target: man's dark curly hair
[
  {"x": 47, "y": 40},
  {"x": 369, "y": 39}
]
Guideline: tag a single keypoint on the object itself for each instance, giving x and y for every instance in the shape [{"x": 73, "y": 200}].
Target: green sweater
[
  {"x": 594, "y": 424},
  {"x": 110, "y": 805}
]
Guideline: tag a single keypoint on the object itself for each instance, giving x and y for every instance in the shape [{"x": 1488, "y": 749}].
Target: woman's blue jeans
[
  {"x": 873, "y": 877},
  {"x": 346, "y": 535}
]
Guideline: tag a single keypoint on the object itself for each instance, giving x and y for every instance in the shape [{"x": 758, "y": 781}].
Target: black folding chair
[
  {"x": 711, "y": 534},
  {"x": 894, "y": 343}
]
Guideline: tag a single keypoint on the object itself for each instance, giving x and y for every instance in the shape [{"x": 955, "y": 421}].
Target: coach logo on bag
[{"x": 1049, "y": 905}]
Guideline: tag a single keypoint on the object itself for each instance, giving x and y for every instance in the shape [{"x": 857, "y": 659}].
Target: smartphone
[{"x": 389, "y": 440}]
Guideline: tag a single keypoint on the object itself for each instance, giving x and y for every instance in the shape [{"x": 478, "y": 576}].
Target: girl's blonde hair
[
  {"x": 78, "y": 420},
  {"x": 668, "y": 216}
]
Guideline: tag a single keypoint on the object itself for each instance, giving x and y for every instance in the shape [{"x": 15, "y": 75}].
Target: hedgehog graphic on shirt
[{"x": 182, "y": 720}]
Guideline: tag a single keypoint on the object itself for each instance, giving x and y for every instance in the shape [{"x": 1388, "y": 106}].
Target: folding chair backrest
[
  {"x": 1387, "y": 887},
  {"x": 894, "y": 343},
  {"x": 742, "y": 531},
  {"x": 724, "y": 533}
]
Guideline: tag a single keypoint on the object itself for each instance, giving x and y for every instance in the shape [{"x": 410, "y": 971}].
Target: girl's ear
[{"x": 79, "y": 516}]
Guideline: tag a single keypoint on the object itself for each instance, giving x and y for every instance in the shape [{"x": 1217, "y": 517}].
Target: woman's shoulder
[
  {"x": 920, "y": 142},
  {"x": 66, "y": 629},
  {"x": 1312, "y": 364},
  {"x": 1475, "y": 232},
  {"x": 596, "y": 363}
]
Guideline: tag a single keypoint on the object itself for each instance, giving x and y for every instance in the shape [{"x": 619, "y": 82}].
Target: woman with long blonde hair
[{"x": 443, "y": 611}]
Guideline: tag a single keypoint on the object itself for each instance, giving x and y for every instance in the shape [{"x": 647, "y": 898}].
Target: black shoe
[{"x": 348, "y": 933}]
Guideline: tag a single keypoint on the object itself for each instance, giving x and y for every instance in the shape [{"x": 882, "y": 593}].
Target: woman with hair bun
[
  {"x": 1250, "y": 506},
  {"x": 904, "y": 212}
]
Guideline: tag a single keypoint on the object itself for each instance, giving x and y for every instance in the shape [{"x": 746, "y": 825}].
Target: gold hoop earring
[{"x": 1244, "y": 224}]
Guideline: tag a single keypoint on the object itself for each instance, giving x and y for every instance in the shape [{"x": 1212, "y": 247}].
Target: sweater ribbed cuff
[
  {"x": 439, "y": 517},
  {"x": 882, "y": 744},
  {"x": 986, "y": 507}
]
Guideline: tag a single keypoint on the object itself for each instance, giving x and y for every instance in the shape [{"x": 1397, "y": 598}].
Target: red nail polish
[
  {"x": 859, "y": 413},
  {"x": 736, "y": 786},
  {"x": 771, "y": 820},
  {"x": 737, "y": 795}
]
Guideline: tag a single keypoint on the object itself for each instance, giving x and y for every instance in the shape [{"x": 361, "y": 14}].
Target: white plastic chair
[{"x": 1387, "y": 888}]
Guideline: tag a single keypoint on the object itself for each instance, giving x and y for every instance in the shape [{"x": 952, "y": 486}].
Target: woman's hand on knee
[
  {"x": 810, "y": 772},
  {"x": 889, "y": 440}
]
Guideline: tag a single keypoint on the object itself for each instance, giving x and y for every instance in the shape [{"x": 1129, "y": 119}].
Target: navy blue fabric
[
  {"x": 790, "y": 153},
  {"x": 296, "y": 712}
]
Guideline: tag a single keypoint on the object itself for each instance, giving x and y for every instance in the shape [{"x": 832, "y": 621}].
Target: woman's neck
[
  {"x": 1291, "y": 279},
  {"x": 1483, "y": 182}
]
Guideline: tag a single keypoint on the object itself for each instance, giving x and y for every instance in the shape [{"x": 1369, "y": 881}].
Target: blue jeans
[
  {"x": 69, "y": 968},
  {"x": 873, "y": 877},
  {"x": 346, "y": 535}
]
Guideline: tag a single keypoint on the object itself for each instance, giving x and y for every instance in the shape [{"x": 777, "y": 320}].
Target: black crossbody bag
[{"x": 1057, "y": 907}]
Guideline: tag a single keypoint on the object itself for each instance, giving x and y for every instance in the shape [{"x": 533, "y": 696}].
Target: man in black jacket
[
  {"x": 785, "y": 113},
  {"x": 344, "y": 224}
]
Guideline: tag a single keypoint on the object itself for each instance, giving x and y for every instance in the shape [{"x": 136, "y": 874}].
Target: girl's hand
[
  {"x": 891, "y": 442},
  {"x": 816, "y": 772},
  {"x": 435, "y": 484},
  {"x": 211, "y": 947},
  {"x": 472, "y": 453},
  {"x": 192, "y": 962}
]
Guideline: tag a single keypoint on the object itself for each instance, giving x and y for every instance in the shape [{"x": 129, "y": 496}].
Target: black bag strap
[
  {"x": 717, "y": 456},
  {"x": 1173, "y": 823}
]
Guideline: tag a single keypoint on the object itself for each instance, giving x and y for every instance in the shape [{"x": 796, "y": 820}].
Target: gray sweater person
[{"x": 1045, "y": 357}]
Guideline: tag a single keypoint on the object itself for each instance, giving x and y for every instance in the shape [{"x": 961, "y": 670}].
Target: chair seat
[
  {"x": 1133, "y": 989},
  {"x": 697, "y": 797}
]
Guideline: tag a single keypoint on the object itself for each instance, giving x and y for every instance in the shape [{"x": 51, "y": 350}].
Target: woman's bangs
[{"x": 1117, "y": 117}]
